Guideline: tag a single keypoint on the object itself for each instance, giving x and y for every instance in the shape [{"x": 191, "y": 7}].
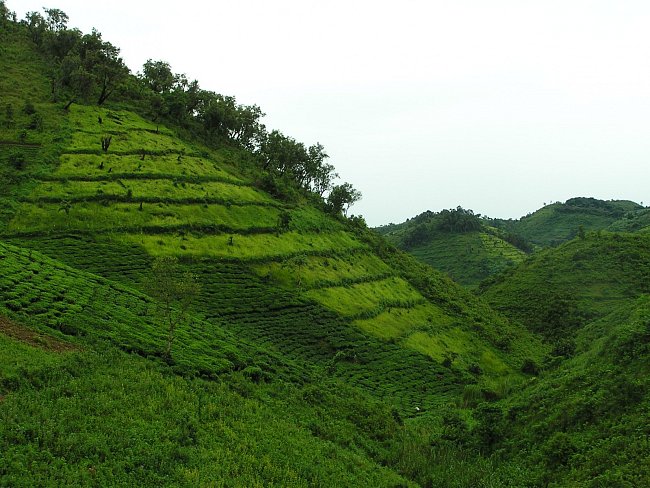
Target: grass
[
  {"x": 99, "y": 217},
  {"x": 148, "y": 190},
  {"x": 395, "y": 323},
  {"x": 245, "y": 247},
  {"x": 187, "y": 432},
  {"x": 363, "y": 299},
  {"x": 557, "y": 290},
  {"x": 88, "y": 166},
  {"x": 320, "y": 271}
]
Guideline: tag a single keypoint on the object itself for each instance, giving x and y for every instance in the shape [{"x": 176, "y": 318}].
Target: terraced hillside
[
  {"x": 309, "y": 288},
  {"x": 467, "y": 255},
  {"x": 286, "y": 276},
  {"x": 79, "y": 359}
]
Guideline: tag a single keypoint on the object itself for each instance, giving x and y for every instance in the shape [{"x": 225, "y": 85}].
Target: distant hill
[
  {"x": 457, "y": 242},
  {"x": 559, "y": 222},
  {"x": 558, "y": 290},
  {"x": 588, "y": 411}
]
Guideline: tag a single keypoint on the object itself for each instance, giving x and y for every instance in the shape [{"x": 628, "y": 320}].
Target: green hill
[
  {"x": 306, "y": 326},
  {"x": 558, "y": 290},
  {"x": 468, "y": 250},
  {"x": 559, "y": 222},
  {"x": 584, "y": 422},
  {"x": 314, "y": 352},
  {"x": 586, "y": 414}
]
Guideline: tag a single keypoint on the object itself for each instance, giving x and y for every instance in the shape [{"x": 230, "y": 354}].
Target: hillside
[
  {"x": 308, "y": 350},
  {"x": 468, "y": 253},
  {"x": 587, "y": 414},
  {"x": 556, "y": 291},
  {"x": 559, "y": 222},
  {"x": 305, "y": 324}
]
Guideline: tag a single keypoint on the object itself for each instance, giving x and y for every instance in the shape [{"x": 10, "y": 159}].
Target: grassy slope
[
  {"x": 557, "y": 290},
  {"x": 559, "y": 222},
  {"x": 584, "y": 421},
  {"x": 274, "y": 304},
  {"x": 185, "y": 200},
  {"x": 467, "y": 257}
]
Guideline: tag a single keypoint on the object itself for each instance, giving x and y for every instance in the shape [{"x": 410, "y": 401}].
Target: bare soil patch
[{"x": 33, "y": 338}]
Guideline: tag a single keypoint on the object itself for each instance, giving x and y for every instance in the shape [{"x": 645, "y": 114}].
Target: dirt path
[{"x": 33, "y": 338}]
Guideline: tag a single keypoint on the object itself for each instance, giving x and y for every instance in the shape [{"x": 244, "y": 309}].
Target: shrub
[{"x": 530, "y": 367}]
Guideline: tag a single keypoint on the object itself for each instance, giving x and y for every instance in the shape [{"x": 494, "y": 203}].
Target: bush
[
  {"x": 17, "y": 160},
  {"x": 530, "y": 367}
]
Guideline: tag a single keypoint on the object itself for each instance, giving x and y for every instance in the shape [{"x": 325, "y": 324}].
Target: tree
[
  {"x": 36, "y": 25},
  {"x": 341, "y": 198},
  {"x": 158, "y": 76},
  {"x": 174, "y": 291},
  {"x": 57, "y": 20},
  {"x": 101, "y": 59}
]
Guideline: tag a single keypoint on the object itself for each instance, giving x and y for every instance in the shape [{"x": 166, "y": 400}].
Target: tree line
[{"x": 84, "y": 68}]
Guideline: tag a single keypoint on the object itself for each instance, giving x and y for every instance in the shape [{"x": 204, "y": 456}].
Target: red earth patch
[{"x": 33, "y": 338}]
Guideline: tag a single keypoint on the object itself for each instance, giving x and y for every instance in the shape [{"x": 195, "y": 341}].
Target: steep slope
[
  {"x": 315, "y": 354},
  {"x": 557, "y": 291},
  {"x": 559, "y": 222},
  {"x": 586, "y": 422},
  {"x": 203, "y": 431},
  {"x": 583, "y": 421},
  {"x": 467, "y": 254},
  {"x": 284, "y": 275}
]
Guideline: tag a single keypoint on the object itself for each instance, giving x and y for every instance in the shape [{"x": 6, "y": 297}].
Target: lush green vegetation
[
  {"x": 559, "y": 222},
  {"x": 309, "y": 350},
  {"x": 459, "y": 243}
]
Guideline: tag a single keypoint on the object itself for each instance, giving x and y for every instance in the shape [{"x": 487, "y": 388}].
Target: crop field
[
  {"x": 94, "y": 166},
  {"x": 157, "y": 217},
  {"x": 367, "y": 299},
  {"x": 148, "y": 190},
  {"x": 470, "y": 257},
  {"x": 309, "y": 289},
  {"x": 325, "y": 271}
]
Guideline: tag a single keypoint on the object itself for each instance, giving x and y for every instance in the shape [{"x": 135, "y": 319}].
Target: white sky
[{"x": 497, "y": 106}]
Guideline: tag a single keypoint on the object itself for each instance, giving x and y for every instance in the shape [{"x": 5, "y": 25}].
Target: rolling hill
[
  {"x": 292, "y": 299},
  {"x": 468, "y": 251},
  {"x": 315, "y": 353},
  {"x": 559, "y": 222}
]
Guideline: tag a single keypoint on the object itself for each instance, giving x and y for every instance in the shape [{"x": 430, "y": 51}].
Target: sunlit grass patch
[
  {"x": 132, "y": 142},
  {"x": 367, "y": 299},
  {"x": 498, "y": 247},
  {"x": 90, "y": 165},
  {"x": 397, "y": 322},
  {"x": 452, "y": 343},
  {"x": 95, "y": 216},
  {"x": 318, "y": 271},
  {"x": 86, "y": 118},
  {"x": 245, "y": 247},
  {"x": 150, "y": 189},
  {"x": 491, "y": 363}
]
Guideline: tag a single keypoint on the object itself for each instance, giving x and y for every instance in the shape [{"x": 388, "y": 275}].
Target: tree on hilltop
[{"x": 342, "y": 197}]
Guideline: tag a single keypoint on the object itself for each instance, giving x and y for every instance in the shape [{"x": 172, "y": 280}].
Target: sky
[{"x": 498, "y": 106}]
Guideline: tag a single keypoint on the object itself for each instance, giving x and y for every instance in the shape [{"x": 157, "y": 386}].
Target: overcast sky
[{"x": 496, "y": 106}]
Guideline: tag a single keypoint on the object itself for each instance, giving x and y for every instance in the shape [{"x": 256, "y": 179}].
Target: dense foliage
[
  {"x": 194, "y": 310},
  {"x": 458, "y": 242}
]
